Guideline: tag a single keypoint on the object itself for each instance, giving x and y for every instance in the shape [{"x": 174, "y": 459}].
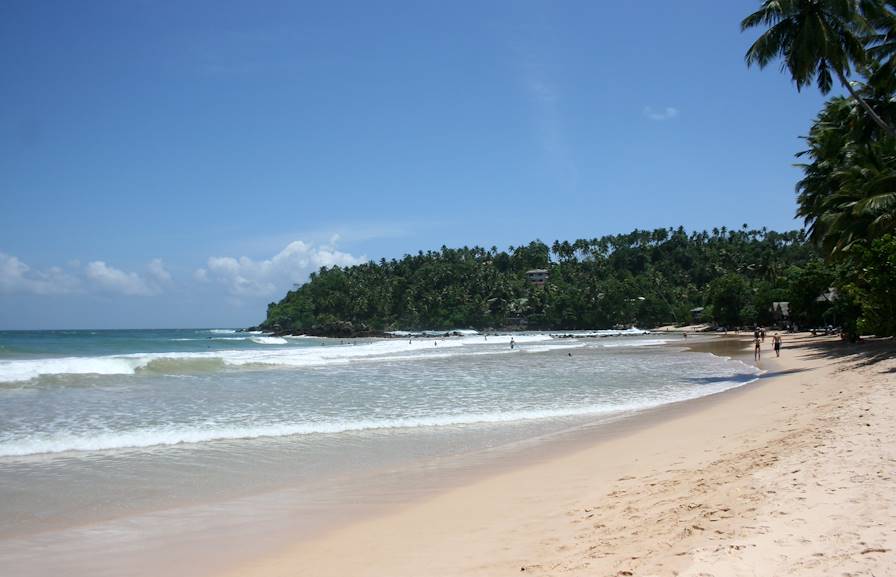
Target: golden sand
[{"x": 793, "y": 475}]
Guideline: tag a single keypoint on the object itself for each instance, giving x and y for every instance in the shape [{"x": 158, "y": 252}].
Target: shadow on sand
[
  {"x": 866, "y": 353},
  {"x": 773, "y": 374}
]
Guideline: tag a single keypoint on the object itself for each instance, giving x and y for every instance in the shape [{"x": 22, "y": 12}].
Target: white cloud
[
  {"x": 245, "y": 276},
  {"x": 666, "y": 113},
  {"x": 18, "y": 277},
  {"x": 158, "y": 272},
  {"x": 116, "y": 280}
]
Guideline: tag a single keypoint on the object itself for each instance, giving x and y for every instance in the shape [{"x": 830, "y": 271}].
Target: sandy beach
[{"x": 792, "y": 475}]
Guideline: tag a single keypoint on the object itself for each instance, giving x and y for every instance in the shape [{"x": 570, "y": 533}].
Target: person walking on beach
[
  {"x": 776, "y": 342},
  {"x": 757, "y": 342}
]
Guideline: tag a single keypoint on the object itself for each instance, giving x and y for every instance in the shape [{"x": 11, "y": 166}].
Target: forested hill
[{"x": 645, "y": 278}]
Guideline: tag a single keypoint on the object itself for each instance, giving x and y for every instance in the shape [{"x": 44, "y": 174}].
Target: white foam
[
  {"x": 143, "y": 438},
  {"x": 465, "y": 332},
  {"x": 24, "y": 370},
  {"x": 269, "y": 340},
  {"x": 638, "y": 343},
  {"x": 633, "y": 331},
  {"x": 221, "y": 331},
  {"x": 295, "y": 356},
  {"x": 557, "y": 347}
]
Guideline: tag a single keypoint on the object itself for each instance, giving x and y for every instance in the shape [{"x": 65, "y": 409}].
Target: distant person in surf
[
  {"x": 757, "y": 343},
  {"x": 776, "y": 342},
  {"x": 512, "y": 343}
]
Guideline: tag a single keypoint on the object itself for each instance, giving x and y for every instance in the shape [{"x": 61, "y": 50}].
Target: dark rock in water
[{"x": 336, "y": 329}]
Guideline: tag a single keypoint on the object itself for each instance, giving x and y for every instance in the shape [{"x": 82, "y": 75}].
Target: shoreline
[
  {"x": 532, "y": 516},
  {"x": 260, "y": 523}
]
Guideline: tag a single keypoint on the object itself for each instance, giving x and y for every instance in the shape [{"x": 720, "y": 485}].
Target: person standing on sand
[
  {"x": 757, "y": 342},
  {"x": 776, "y": 342}
]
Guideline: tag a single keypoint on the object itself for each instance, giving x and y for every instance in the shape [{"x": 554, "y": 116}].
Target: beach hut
[{"x": 697, "y": 314}]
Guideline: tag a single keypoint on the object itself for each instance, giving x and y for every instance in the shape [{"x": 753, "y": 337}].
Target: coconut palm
[
  {"x": 817, "y": 40},
  {"x": 848, "y": 192}
]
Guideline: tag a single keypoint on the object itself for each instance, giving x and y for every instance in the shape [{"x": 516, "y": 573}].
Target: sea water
[{"x": 132, "y": 432}]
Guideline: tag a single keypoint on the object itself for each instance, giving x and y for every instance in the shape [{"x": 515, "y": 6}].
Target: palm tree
[
  {"x": 815, "y": 38},
  {"x": 848, "y": 192}
]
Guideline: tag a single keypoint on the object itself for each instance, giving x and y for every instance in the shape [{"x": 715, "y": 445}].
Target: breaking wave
[
  {"x": 301, "y": 356},
  {"x": 142, "y": 438}
]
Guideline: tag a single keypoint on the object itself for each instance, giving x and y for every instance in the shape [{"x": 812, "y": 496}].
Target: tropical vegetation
[
  {"x": 841, "y": 270},
  {"x": 643, "y": 278},
  {"x": 847, "y": 195}
]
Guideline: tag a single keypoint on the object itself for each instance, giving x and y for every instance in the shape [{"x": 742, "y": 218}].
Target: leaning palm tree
[
  {"x": 848, "y": 193},
  {"x": 816, "y": 39}
]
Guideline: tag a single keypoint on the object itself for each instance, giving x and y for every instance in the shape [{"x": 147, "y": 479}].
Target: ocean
[{"x": 154, "y": 438}]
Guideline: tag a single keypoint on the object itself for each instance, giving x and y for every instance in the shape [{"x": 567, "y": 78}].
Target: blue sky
[{"x": 179, "y": 164}]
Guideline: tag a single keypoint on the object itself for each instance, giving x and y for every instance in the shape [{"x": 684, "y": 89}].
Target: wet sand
[{"x": 791, "y": 475}]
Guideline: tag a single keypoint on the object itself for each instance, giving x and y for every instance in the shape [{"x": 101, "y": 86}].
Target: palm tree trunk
[{"x": 880, "y": 121}]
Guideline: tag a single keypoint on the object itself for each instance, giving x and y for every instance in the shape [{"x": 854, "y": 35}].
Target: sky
[{"x": 182, "y": 164}]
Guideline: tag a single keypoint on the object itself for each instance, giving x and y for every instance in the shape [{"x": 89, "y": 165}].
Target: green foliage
[
  {"x": 848, "y": 193},
  {"x": 804, "y": 285},
  {"x": 643, "y": 278},
  {"x": 871, "y": 287},
  {"x": 729, "y": 296},
  {"x": 820, "y": 39}
]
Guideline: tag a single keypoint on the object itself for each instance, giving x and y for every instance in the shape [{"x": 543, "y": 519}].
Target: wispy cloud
[
  {"x": 240, "y": 276},
  {"x": 110, "y": 279},
  {"x": 18, "y": 277},
  {"x": 352, "y": 233},
  {"x": 115, "y": 280},
  {"x": 548, "y": 117},
  {"x": 244, "y": 276},
  {"x": 660, "y": 114}
]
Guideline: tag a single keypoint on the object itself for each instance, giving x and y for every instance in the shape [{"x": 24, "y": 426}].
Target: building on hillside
[
  {"x": 537, "y": 276},
  {"x": 697, "y": 314},
  {"x": 781, "y": 311}
]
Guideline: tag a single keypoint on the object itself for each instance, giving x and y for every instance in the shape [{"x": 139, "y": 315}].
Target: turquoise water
[
  {"x": 89, "y": 391},
  {"x": 86, "y": 343},
  {"x": 106, "y": 427}
]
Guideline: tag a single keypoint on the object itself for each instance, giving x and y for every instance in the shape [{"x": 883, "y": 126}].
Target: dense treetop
[
  {"x": 643, "y": 278},
  {"x": 847, "y": 197}
]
